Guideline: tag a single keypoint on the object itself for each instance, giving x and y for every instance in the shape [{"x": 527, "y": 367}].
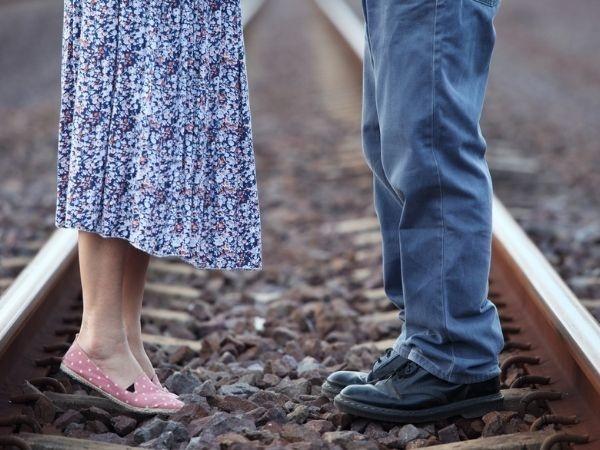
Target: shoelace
[
  {"x": 405, "y": 370},
  {"x": 385, "y": 354}
]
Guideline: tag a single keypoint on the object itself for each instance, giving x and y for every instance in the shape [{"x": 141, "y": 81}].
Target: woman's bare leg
[
  {"x": 134, "y": 280},
  {"x": 102, "y": 333}
]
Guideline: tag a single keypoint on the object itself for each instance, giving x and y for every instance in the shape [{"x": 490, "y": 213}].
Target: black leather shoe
[
  {"x": 382, "y": 367},
  {"x": 412, "y": 395}
]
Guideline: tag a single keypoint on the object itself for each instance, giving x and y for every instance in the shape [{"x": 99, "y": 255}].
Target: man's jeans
[{"x": 425, "y": 75}]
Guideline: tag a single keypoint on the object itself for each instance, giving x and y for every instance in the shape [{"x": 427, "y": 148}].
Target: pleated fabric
[{"x": 155, "y": 142}]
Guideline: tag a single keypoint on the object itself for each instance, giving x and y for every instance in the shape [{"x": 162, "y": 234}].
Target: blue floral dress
[{"x": 155, "y": 142}]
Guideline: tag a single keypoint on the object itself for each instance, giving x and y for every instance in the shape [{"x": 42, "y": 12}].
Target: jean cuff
[{"x": 418, "y": 358}]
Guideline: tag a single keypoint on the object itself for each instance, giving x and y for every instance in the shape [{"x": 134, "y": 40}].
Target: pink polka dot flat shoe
[
  {"x": 159, "y": 385},
  {"x": 143, "y": 396}
]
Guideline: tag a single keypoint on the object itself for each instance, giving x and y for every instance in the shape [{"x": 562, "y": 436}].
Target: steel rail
[
  {"x": 29, "y": 290},
  {"x": 575, "y": 324},
  {"x": 563, "y": 318},
  {"x": 249, "y": 10}
]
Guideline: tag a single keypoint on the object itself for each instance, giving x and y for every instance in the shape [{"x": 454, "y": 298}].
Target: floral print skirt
[{"x": 155, "y": 142}]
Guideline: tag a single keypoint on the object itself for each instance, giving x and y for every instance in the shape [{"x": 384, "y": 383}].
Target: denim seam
[
  {"x": 434, "y": 143},
  {"x": 423, "y": 362},
  {"x": 491, "y": 3},
  {"x": 385, "y": 180},
  {"x": 368, "y": 37}
]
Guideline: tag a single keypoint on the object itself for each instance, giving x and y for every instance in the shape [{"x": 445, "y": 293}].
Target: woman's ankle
[
  {"x": 136, "y": 344},
  {"x": 100, "y": 346},
  {"x": 134, "y": 338}
]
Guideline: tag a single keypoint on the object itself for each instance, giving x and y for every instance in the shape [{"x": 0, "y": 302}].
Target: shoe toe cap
[
  {"x": 159, "y": 400},
  {"x": 365, "y": 393},
  {"x": 174, "y": 403},
  {"x": 168, "y": 402},
  {"x": 347, "y": 378}
]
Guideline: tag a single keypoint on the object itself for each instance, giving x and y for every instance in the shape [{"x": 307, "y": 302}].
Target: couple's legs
[
  {"x": 426, "y": 70},
  {"x": 113, "y": 277}
]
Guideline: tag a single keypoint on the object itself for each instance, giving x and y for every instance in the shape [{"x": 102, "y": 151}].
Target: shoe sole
[
  {"x": 330, "y": 389},
  {"x": 469, "y": 409},
  {"x": 148, "y": 411}
]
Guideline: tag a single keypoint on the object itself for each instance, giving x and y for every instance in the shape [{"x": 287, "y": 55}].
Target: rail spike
[
  {"x": 548, "y": 419},
  {"x": 538, "y": 395},
  {"x": 565, "y": 438},
  {"x": 14, "y": 441},
  {"x": 45, "y": 382},
  {"x": 527, "y": 380},
  {"x": 19, "y": 420},
  {"x": 517, "y": 359}
]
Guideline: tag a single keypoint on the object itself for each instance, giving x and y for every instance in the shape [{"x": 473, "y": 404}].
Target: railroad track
[{"x": 317, "y": 307}]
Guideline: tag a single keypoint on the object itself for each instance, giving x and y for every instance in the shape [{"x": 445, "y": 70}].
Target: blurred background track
[
  {"x": 30, "y": 36},
  {"x": 541, "y": 121}
]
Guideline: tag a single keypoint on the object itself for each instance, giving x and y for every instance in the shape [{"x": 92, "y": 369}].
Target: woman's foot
[
  {"x": 113, "y": 356},
  {"x": 140, "y": 396},
  {"x": 139, "y": 353},
  {"x": 137, "y": 349}
]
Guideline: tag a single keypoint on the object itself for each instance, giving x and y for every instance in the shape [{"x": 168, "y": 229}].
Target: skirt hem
[{"x": 158, "y": 254}]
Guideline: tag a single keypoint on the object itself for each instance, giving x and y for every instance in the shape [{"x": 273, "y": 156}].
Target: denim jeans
[{"x": 425, "y": 74}]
